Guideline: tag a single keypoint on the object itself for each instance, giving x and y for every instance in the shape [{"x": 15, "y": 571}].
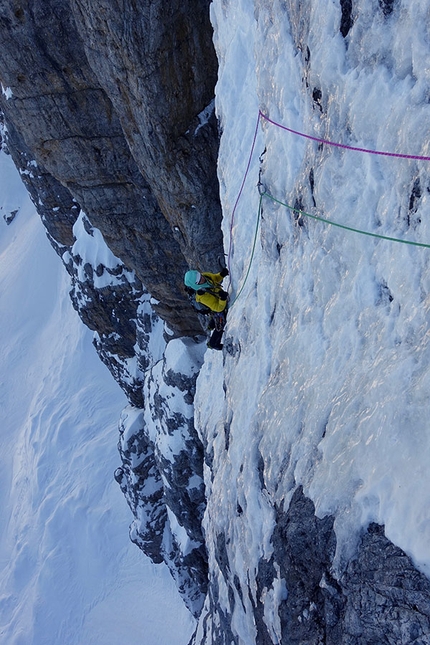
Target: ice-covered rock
[
  {"x": 294, "y": 596},
  {"x": 161, "y": 474}
]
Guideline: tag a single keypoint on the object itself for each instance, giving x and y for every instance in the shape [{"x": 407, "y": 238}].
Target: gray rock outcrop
[
  {"x": 113, "y": 104},
  {"x": 380, "y": 598},
  {"x": 161, "y": 474}
]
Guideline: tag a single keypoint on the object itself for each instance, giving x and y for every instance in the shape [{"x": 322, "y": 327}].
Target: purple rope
[{"x": 341, "y": 145}]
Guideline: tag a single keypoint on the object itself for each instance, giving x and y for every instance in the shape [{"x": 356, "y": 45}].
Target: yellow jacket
[{"x": 210, "y": 298}]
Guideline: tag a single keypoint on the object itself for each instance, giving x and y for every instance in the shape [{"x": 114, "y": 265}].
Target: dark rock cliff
[
  {"x": 158, "y": 67},
  {"x": 114, "y": 105}
]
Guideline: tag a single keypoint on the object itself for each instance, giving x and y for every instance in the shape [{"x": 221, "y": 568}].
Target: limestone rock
[
  {"x": 157, "y": 64},
  {"x": 117, "y": 125}
]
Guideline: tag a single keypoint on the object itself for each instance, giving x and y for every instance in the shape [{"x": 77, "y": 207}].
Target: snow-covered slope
[
  {"x": 326, "y": 378},
  {"x": 69, "y": 573}
]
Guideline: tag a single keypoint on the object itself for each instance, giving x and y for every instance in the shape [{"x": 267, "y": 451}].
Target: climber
[{"x": 210, "y": 298}]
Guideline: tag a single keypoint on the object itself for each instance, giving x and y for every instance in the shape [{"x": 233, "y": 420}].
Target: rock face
[
  {"x": 114, "y": 105},
  {"x": 380, "y": 597},
  {"x": 163, "y": 92}
]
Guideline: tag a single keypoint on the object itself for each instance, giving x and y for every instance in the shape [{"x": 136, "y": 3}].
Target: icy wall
[{"x": 316, "y": 433}]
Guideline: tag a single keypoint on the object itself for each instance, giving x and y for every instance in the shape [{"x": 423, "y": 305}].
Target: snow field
[{"x": 69, "y": 572}]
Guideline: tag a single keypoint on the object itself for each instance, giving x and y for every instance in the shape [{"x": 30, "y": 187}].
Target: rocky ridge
[{"x": 162, "y": 472}]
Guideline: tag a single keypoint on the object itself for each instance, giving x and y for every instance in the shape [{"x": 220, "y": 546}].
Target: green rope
[
  {"x": 319, "y": 219},
  {"x": 253, "y": 250},
  {"x": 347, "y": 228}
]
